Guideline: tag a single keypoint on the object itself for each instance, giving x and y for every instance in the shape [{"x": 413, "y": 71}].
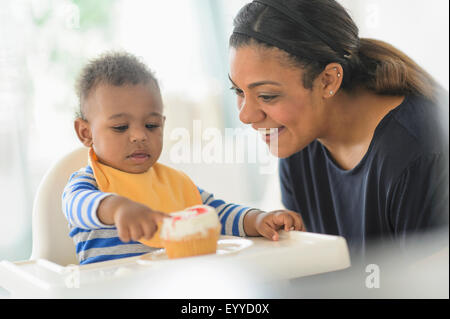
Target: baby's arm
[
  {"x": 81, "y": 199},
  {"x": 231, "y": 216},
  {"x": 242, "y": 221},
  {"x": 88, "y": 208}
]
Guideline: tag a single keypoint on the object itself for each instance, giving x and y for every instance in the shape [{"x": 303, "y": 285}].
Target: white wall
[{"x": 420, "y": 28}]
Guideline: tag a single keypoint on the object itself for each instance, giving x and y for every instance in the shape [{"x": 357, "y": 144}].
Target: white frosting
[{"x": 189, "y": 222}]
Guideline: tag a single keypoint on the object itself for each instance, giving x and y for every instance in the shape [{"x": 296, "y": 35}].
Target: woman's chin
[
  {"x": 280, "y": 152},
  {"x": 285, "y": 151}
]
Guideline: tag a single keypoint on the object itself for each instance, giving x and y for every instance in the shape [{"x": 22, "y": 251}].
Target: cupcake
[{"x": 194, "y": 231}]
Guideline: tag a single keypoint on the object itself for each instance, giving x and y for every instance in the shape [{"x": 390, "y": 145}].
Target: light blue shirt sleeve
[
  {"x": 231, "y": 216},
  {"x": 80, "y": 200}
]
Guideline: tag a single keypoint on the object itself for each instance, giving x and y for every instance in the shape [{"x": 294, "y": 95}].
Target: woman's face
[{"x": 270, "y": 95}]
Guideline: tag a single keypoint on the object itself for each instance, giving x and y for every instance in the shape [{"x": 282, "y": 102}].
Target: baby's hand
[
  {"x": 267, "y": 224},
  {"x": 135, "y": 221}
]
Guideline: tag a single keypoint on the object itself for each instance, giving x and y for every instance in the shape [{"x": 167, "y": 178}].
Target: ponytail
[
  {"x": 391, "y": 72},
  {"x": 369, "y": 63}
]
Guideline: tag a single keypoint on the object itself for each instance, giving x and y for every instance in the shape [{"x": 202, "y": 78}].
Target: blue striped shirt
[{"x": 96, "y": 241}]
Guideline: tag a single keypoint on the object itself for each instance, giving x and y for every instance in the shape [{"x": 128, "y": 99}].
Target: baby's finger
[
  {"x": 158, "y": 216},
  {"x": 283, "y": 219},
  {"x": 136, "y": 232},
  {"x": 269, "y": 232},
  {"x": 288, "y": 222},
  {"x": 301, "y": 225},
  {"x": 124, "y": 234},
  {"x": 149, "y": 228},
  {"x": 297, "y": 222}
]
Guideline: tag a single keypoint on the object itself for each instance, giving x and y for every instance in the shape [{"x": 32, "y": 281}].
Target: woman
[{"x": 363, "y": 152}]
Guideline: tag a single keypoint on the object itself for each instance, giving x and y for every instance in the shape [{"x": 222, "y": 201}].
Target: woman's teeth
[{"x": 270, "y": 131}]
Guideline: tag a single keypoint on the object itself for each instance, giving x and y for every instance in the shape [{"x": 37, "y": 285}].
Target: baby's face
[{"x": 126, "y": 123}]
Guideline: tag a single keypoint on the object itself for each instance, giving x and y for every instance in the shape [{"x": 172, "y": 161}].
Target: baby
[{"x": 114, "y": 204}]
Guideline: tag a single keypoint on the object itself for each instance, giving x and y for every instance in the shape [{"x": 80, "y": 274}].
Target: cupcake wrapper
[{"x": 193, "y": 245}]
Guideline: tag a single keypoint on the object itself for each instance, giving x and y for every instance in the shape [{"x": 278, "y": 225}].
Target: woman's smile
[
  {"x": 271, "y": 134},
  {"x": 296, "y": 113}
]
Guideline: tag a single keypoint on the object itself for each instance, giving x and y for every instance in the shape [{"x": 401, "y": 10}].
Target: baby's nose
[{"x": 138, "y": 136}]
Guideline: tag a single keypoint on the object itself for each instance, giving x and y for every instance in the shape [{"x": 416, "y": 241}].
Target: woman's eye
[
  {"x": 237, "y": 91},
  {"x": 268, "y": 98},
  {"x": 120, "y": 128}
]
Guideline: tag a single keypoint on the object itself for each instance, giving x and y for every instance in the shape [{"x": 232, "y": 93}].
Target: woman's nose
[{"x": 250, "y": 113}]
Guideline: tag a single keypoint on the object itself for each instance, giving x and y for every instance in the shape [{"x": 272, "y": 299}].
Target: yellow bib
[{"x": 161, "y": 188}]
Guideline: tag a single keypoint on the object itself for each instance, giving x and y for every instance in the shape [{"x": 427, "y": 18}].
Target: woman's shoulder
[
  {"x": 422, "y": 117},
  {"x": 415, "y": 132},
  {"x": 418, "y": 124}
]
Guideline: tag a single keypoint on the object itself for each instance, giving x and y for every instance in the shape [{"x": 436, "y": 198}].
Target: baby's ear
[{"x": 83, "y": 130}]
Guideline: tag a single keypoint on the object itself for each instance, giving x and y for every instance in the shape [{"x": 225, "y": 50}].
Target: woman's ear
[
  {"x": 83, "y": 130},
  {"x": 331, "y": 79}
]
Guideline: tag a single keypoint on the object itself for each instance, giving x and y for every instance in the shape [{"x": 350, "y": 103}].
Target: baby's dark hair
[{"x": 114, "y": 68}]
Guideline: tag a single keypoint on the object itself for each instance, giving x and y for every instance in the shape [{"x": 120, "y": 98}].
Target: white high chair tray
[{"x": 251, "y": 259}]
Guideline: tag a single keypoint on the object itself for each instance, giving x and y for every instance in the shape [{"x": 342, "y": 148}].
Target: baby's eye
[
  {"x": 152, "y": 126},
  {"x": 120, "y": 128}
]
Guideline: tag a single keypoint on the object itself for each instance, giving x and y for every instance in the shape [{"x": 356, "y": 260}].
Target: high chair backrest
[{"x": 50, "y": 230}]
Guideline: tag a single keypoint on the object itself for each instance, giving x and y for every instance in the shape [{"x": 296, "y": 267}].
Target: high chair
[
  {"x": 50, "y": 230},
  {"x": 50, "y": 272}
]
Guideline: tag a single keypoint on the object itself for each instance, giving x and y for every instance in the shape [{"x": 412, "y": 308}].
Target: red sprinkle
[
  {"x": 174, "y": 219},
  {"x": 197, "y": 210}
]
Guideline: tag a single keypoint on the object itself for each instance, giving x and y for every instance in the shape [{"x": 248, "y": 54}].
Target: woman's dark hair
[
  {"x": 114, "y": 68},
  {"x": 373, "y": 64}
]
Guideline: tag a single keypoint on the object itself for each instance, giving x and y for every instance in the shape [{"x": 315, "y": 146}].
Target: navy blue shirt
[{"x": 399, "y": 187}]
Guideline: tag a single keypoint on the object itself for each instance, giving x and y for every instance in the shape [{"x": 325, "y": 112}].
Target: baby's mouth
[{"x": 139, "y": 156}]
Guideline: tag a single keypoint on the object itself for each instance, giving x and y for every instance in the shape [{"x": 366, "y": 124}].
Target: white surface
[
  {"x": 240, "y": 265},
  {"x": 49, "y": 226},
  {"x": 226, "y": 245}
]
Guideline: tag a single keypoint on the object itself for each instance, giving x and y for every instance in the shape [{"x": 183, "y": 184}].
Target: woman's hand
[{"x": 257, "y": 223}]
